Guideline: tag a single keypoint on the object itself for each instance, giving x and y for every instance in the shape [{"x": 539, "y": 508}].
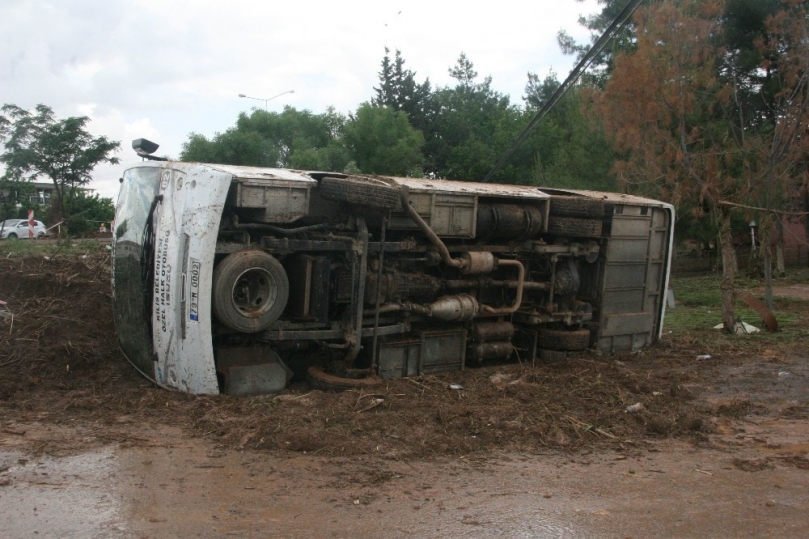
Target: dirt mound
[
  {"x": 60, "y": 362},
  {"x": 57, "y": 332}
]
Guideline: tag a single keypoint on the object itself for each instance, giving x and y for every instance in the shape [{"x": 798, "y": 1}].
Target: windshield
[{"x": 129, "y": 282}]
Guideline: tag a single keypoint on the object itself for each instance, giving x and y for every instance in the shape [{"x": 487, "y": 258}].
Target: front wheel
[
  {"x": 250, "y": 291},
  {"x": 12, "y": 236}
]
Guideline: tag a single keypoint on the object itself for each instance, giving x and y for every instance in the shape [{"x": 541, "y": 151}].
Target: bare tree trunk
[
  {"x": 728, "y": 273},
  {"x": 735, "y": 261},
  {"x": 806, "y": 209},
  {"x": 767, "y": 258},
  {"x": 767, "y": 223},
  {"x": 780, "y": 266}
]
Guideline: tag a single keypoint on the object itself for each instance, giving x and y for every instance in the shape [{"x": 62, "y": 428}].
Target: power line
[{"x": 619, "y": 21}]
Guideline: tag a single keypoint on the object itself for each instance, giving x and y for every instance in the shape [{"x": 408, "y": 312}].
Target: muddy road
[
  {"x": 184, "y": 487},
  {"x": 719, "y": 447}
]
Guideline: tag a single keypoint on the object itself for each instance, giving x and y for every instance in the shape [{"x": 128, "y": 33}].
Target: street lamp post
[{"x": 267, "y": 100}]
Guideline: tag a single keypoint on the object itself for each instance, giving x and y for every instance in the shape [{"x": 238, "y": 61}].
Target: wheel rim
[{"x": 254, "y": 292}]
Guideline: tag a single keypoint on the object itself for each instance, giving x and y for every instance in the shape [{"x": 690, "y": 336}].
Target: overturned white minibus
[{"x": 235, "y": 279}]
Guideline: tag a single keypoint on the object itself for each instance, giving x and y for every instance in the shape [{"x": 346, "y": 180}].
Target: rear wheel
[{"x": 250, "y": 291}]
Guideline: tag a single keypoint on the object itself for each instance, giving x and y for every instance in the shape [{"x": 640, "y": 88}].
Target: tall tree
[
  {"x": 468, "y": 125},
  {"x": 464, "y": 72},
  {"x": 664, "y": 107},
  {"x": 231, "y": 147},
  {"x": 37, "y": 144},
  {"x": 472, "y": 126},
  {"x": 570, "y": 147},
  {"x": 399, "y": 90},
  {"x": 597, "y": 23},
  {"x": 383, "y": 142},
  {"x": 292, "y": 138},
  {"x": 87, "y": 212},
  {"x": 769, "y": 69},
  {"x": 711, "y": 108},
  {"x": 13, "y": 192}
]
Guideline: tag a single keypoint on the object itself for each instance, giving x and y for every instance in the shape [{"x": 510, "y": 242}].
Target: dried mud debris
[
  {"x": 60, "y": 363},
  {"x": 767, "y": 463}
]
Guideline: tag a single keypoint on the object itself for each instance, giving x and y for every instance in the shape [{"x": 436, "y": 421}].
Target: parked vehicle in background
[
  {"x": 18, "y": 229},
  {"x": 233, "y": 279}
]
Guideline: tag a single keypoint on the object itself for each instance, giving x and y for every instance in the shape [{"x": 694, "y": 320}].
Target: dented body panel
[
  {"x": 248, "y": 277},
  {"x": 185, "y": 240},
  {"x": 177, "y": 246}
]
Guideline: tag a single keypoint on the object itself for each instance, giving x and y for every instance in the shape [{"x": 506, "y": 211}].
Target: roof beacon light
[{"x": 145, "y": 148}]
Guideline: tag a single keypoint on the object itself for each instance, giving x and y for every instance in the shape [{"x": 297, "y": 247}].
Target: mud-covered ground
[
  {"x": 61, "y": 363},
  {"x": 66, "y": 393}
]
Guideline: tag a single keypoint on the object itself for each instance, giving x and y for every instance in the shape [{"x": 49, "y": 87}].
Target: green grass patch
[
  {"x": 15, "y": 248},
  {"x": 699, "y": 308}
]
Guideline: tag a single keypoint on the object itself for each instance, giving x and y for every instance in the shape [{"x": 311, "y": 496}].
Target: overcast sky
[{"x": 163, "y": 69}]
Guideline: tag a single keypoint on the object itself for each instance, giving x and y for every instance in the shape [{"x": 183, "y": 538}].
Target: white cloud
[{"x": 164, "y": 68}]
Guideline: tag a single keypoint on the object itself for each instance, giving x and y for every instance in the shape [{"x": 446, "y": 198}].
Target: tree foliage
[
  {"x": 399, "y": 90},
  {"x": 457, "y": 132},
  {"x": 710, "y": 109},
  {"x": 37, "y": 144},
  {"x": 472, "y": 126},
  {"x": 570, "y": 147},
  {"x": 667, "y": 111},
  {"x": 382, "y": 141},
  {"x": 12, "y": 193},
  {"x": 292, "y": 138},
  {"x": 87, "y": 211},
  {"x": 773, "y": 107},
  {"x": 597, "y": 23}
]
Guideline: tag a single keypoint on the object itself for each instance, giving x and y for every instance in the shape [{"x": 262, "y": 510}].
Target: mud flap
[{"x": 251, "y": 370}]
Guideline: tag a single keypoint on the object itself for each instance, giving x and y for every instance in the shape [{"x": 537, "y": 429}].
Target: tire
[
  {"x": 575, "y": 227},
  {"x": 564, "y": 340},
  {"x": 250, "y": 291},
  {"x": 12, "y": 236},
  {"x": 319, "y": 379},
  {"x": 360, "y": 190},
  {"x": 564, "y": 206}
]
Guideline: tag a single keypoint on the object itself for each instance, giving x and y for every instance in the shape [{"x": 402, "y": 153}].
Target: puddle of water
[
  {"x": 188, "y": 488},
  {"x": 59, "y": 497},
  {"x": 185, "y": 491}
]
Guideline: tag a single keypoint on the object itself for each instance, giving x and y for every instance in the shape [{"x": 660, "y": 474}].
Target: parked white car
[{"x": 18, "y": 228}]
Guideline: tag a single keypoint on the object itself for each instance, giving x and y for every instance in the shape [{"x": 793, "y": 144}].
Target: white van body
[{"x": 237, "y": 279}]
